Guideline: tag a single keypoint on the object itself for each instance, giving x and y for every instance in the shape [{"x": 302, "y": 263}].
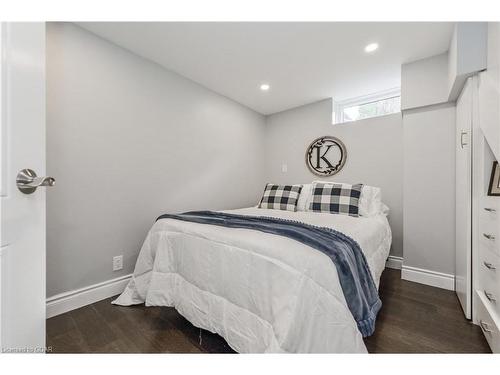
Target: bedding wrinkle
[
  {"x": 286, "y": 267},
  {"x": 352, "y": 269}
]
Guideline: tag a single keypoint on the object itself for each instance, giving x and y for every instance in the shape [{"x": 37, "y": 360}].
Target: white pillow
[
  {"x": 370, "y": 201},
  {"x": 305, "y": 194}
]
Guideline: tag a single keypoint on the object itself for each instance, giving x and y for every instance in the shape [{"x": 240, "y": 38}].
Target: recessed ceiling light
[
  {"x": 371, "y": 47},
  {"x": 265, "y": 87}
]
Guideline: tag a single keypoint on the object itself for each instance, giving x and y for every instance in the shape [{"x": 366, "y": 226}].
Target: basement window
[{"x": 379, "y": 104}]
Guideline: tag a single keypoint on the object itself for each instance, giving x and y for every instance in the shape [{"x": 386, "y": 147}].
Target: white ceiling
[{"x": 303, "y": 62}]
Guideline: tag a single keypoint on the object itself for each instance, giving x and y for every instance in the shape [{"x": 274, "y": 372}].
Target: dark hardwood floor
[{"x": 414, "y": 319}]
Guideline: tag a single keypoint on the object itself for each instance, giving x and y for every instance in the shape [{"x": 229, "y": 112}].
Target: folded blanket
[{"x": 355, "y": 278}]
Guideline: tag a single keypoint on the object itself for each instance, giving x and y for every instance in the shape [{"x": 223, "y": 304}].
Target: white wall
[
  {"x": 127, "y": 141},
  {"x": 374, "y": 153},
  {"x": 440, "y": 79},
  {"x": 489, "y": 93},
  {"x": 429, "y": 188},
  {"x": 467, "y": 54},
  {"x": 424, "y": 82}
]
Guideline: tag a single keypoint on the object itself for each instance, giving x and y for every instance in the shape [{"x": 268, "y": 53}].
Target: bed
[{"x": 261, "y": 292}]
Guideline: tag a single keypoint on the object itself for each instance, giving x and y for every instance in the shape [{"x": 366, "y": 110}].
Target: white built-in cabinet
[
  {"x": 477, "y": 146},
  {"x": 486, "y": 209},
  {"x": 486, "y": 229}
]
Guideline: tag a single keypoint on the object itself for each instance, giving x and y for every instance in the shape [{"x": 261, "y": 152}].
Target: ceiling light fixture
[
  {"x": 371, "y": 47},
  {"x": 265, "y": 87}
]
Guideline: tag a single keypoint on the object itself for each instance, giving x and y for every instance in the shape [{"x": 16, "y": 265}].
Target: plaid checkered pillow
[
  {"x": 281, "y": 197},
  {"x": 336, "y": 198}
]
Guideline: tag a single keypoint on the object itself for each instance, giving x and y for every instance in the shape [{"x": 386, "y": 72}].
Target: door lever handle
[
  {"x": 38, "y": 181},
  {"x": 27, "y": 181}
]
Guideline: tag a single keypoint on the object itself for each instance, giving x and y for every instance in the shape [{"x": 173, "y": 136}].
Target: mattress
[{"x": 261, "y": 292}]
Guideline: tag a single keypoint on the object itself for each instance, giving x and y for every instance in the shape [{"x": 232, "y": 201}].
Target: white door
[
  {"x": 22, "y": 145},
  {"x": 463, "y": 256}
]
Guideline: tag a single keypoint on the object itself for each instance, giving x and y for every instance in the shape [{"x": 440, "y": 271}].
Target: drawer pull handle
[
  {"x": 490, "y": 209},
  {"x": 489, "y": 266},
  {"x": 489, "y": 236},
  {"x": 490, "y": 296},
  {"x": 462, "y": 143},
  {"x": 484, "y": 326}
]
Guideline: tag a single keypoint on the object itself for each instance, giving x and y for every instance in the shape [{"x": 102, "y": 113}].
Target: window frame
[{"x": 340, "y": 105}]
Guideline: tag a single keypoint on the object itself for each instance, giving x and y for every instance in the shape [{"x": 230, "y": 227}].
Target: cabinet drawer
[
  {"x": 489, "y": 279},
  {"x": 489, "y": 225},
  {"x": 488, "y": 325},
  {"x": 491, "y": 206}
]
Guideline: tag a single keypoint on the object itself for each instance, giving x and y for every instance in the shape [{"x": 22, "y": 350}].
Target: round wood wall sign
[{"x": 326, "y": 156}]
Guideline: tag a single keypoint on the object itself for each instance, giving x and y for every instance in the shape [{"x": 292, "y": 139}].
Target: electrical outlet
[
  {"x": 284, "y": 168},
  {"x": 117, "y": 263}
]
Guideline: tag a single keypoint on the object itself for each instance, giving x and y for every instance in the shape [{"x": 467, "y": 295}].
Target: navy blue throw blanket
[{"x": 355, "y": 278}]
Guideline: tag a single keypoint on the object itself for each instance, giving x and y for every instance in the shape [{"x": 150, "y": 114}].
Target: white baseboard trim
[
  {"x": 394, "y": 262},
  {"x": 428, "y": 277},
  {"x": 75, "y": 299}
]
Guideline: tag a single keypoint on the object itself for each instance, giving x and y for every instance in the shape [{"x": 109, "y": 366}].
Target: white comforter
[{"x": 261, "y": 292}]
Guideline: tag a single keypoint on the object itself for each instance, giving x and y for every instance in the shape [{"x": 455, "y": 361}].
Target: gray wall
[
  {"x": 429, "y": 188},
  {"x": 127, "y": 141},
  {"x": 424, "y": 82},
  {"x": 429, "y": 166},
  {"x": 374, "y": 153}
]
